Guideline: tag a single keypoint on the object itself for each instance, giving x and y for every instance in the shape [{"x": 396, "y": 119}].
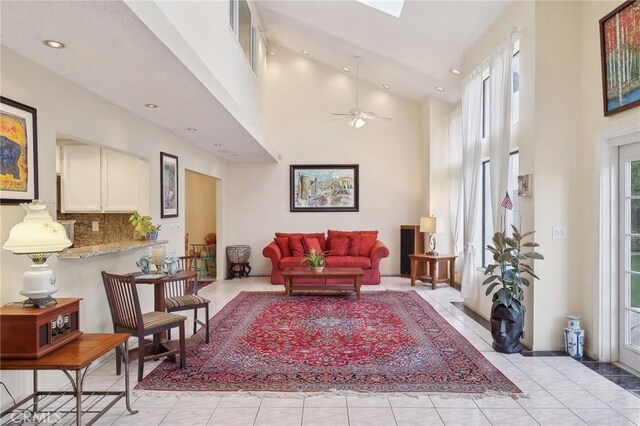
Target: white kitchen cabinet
[
  {"x": 81, "y": 180},
  {"x": 119, "y": 181},
  {"x": 98, "y": 180}
]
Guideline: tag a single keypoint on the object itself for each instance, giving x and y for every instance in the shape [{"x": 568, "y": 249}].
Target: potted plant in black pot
[{"x": 507, "y": 311}]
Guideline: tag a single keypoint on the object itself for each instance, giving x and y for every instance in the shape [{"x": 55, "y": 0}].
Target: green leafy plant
[
  {"x": 314, "y": 259},
  {"x": 142, "y": 224},
  {"x": 509, "y": 267}
]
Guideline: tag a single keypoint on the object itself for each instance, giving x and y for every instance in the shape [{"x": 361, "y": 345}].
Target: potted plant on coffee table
[
  {"x": 315, "y": 260},
  {"x": 507, "y": 311}
]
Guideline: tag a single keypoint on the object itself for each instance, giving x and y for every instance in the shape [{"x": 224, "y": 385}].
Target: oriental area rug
[{"x": 388, "y": 341}]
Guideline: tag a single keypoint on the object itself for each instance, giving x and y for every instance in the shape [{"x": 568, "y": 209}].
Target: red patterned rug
[{"x": 389, "y": 341}]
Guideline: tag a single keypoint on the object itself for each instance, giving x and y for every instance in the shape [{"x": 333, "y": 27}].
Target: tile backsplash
[{"x": 113, "y": 228}]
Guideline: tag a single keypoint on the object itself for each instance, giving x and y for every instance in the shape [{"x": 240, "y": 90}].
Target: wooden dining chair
[
  {"x": 128, "y": 318},
  {"x": 182, "y": 295}
]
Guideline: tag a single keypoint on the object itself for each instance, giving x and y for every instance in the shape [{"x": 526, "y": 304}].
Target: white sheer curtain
[
  {"x": 499, "y": 128},
  {"x": 456, "y": 202},
  {"x": 471, "y": 134}
]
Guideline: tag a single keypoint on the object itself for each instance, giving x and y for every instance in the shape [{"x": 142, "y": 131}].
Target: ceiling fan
[{"x": 358, "y": 117}]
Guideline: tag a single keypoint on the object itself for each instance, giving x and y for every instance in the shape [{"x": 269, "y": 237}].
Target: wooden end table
[
  {"x": 432, "y": 262},
  {"x": 74, "y": 356},
  {"x": 327, "y": 273}
]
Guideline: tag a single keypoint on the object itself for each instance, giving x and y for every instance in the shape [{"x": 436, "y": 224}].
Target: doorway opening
[{"x": 200, "y": 223}]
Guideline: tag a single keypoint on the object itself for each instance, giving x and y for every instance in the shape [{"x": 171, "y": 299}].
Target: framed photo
[
  {"x": 524, "y": 185},
  {"x": 18, "y": 152},
  {"x": 168, "y": 185},
  {"x": 324, "y": 188},
  {"x": 620, "y": 54}
]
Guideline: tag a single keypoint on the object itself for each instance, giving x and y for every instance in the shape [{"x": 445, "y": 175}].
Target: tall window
[
  {"x": 512, "y": 216},
  {"x": 515, "y": 91},
  {"x": 241, "y": 24}
]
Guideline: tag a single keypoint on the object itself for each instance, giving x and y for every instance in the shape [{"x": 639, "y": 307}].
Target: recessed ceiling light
[
  {"x": 440, "y": 88},
  {"x": 272, "y": 52},
  {"x": 192, "y": 129},
  {"x": 151, "y": 106},
  {"x": 345, "y": 69},
  {"x": 54, "y": 44},
  {"x": 455, "y": 71},
  {"x": 386, "y": 86},
  {"x": 304, "y": 52}
]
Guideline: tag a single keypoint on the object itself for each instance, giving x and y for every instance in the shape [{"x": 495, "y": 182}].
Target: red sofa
[{"x": 345, "y": 249}]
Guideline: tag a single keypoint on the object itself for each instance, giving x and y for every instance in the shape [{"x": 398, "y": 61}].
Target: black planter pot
[{"x": 506, "y": 329}]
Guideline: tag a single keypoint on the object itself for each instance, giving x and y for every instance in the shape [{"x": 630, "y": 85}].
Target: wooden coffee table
[{"x": 327, "y": 273}]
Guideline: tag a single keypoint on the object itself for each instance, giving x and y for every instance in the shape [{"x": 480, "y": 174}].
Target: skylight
[{"x": 391, "y": 7}]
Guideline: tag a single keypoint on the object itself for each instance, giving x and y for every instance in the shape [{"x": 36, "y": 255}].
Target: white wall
[
  {"x": 199, "y": 34},
  {"x": 64, "y": 108},
  {"x": 585, "y": 195},
  {"x": 301, "y": 95}
]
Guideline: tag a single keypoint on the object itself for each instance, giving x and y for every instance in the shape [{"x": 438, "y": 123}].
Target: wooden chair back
[
  {"x": 182, "y": 287},
  {"x": 124, "y": 303}
]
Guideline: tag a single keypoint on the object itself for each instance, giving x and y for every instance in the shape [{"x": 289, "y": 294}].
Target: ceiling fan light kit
[{"x": 358, "y": 117}]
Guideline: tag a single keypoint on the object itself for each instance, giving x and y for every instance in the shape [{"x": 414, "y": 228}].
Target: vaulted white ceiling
[{"x": 412, "y": 53}]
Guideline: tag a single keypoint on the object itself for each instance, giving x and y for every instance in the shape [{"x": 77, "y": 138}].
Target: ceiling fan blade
[
  {"x": 335, "y": 113},
  {"x": 374, "y": 116},
  {"x": 335, "y": 119}
]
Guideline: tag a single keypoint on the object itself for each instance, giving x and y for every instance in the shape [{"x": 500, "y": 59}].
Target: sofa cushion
[
  {"x": 368, "y": 241},
  {"x": 347, "y": 261},
  {"x": 291, "y": 262},
  {"x": 283, "y": 245},
  {"x": 318, "y": 235},
  {"x": 311, "y": 244},
  {"x": 338, "y": 246},
  {"x": 354, "y": 246},
  {"x": 295, "y": 244}
]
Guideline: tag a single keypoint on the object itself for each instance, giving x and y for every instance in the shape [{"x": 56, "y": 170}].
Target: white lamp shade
[
  {"x": 37, "y": 233},
  {"x": 428, "y": 224}
]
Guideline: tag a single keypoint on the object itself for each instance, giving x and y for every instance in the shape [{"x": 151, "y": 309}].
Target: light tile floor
[{"x": 561, "y": 390}]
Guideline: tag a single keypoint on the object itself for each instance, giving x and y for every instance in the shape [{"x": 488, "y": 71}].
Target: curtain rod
[{"x": 480, "y": 66}]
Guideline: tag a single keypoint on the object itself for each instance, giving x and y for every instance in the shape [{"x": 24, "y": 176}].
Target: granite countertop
[{"x": 102, "y": 249}]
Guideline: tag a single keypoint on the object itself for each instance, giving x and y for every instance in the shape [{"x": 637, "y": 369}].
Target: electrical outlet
[
  {"x": 559, "y": 232},
  {"x": 95, "y": 226}
]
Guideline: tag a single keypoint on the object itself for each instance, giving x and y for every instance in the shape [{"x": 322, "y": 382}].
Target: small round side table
[{"x": 238, "y": 261}]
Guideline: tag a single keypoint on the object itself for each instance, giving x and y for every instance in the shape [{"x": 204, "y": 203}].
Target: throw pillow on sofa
[
  {"x": 338, "y": 246},
  {"x": 295, "y": 244},
  {"x": 368, "y": 241},
  {"x": 354, "y": 246},
  {"x": 311, "y": 244},
  {"x": 283, "y": 245}
]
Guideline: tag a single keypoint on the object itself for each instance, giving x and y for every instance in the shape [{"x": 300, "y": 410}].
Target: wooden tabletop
[
  {"x": 74, "y": 355},
  {"x": 326, "y": 272},
  {"x": 181, "y": 275}
]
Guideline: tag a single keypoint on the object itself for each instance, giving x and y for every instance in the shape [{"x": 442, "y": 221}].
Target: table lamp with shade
[
  {"x": 37, "y": 236},
  {"x": 428, "y": 225}
]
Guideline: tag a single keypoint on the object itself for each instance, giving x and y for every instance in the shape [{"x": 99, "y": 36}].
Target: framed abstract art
[{"x": 18, "y": 152}]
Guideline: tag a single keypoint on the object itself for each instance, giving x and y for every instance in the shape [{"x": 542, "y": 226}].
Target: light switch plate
[
  {"x": 559, "y": 232},
  {"x": 95, "y": 226}
]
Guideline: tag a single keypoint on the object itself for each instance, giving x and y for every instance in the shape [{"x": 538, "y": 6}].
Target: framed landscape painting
[
  {"x": 18, "y": 152},
  {"x": 168, "y": 185},
  {"x": 620, "y": 50},
  {"x": 324, "y": 188}
]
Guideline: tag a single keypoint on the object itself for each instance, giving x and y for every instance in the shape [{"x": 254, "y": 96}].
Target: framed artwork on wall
[
  {"x": 620, "y": 57},
  {"x": 18, "y": 152},
  {"x": 524, "y": 185},
  {"x": 324, "y": 188},
  {"x": 168, "y": 185}
]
